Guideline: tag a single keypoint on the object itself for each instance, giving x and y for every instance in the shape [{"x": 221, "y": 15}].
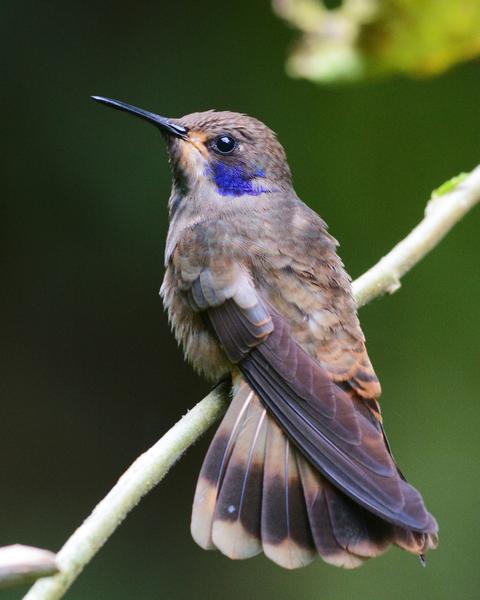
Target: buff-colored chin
[{"x": 193, "y": 155}]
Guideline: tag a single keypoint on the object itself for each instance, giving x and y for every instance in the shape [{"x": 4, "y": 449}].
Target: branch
[
  {"x": 21, "y": 565},
  {"x": 445, "y": 209},
  {"x": 149, "y": 468},
  {"x": 451, "y": 202}
]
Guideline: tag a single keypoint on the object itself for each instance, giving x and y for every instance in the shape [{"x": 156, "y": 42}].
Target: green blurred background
[{"x": 90, "y": 375}]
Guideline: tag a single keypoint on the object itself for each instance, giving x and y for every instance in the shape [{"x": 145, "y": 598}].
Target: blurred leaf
[{"x": 362, "y": 39}]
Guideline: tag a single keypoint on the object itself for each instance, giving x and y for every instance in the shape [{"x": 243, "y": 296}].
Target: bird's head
[{"x": 226, "y": 154}]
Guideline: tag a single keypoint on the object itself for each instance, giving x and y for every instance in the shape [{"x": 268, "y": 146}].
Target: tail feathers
[
  {"x": 236, "y": 518},
  {"x": 285, "y": 531},
  {"x": 215, "y": 466},
  {"x": 256, "y": 493}
]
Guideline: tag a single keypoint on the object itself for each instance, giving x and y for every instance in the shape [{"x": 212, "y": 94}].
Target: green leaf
[{"x": 449, "y": 185}]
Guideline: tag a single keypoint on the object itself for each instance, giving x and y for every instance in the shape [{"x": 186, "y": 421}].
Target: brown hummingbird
[{"x": 256, "y": 293}]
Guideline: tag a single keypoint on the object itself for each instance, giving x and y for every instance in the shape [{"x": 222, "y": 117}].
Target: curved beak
[{"x": 161, "y": 122}]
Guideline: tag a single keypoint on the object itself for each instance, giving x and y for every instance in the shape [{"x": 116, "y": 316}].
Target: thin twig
[
  {"x": 442, "y": 213},
  {"x": 149, "y": 468},
  {"x": 22, "y": 565}
]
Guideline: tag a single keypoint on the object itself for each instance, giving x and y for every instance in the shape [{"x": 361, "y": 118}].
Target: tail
[{"x": 256, "y": 493}]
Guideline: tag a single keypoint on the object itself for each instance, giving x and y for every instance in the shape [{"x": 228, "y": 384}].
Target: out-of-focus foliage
[{"x": 374, "y": 38}]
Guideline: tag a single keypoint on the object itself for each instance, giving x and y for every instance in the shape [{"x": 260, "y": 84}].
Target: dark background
[{"x": 90, "y": 375}]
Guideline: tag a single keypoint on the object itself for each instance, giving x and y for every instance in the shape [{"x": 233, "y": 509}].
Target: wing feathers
[
  {"x": 324, "y": 452},
  {"x": 322, "y": 420}
]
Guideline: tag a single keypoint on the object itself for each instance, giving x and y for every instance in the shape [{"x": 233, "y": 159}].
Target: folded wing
[{"x": 325, "y": 423}]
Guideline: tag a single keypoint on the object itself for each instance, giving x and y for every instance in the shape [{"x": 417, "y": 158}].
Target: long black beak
[{"x": 161, "y": 122}]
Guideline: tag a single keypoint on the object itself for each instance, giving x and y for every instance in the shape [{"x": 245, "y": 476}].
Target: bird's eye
[{"x": 224, "y": 144}]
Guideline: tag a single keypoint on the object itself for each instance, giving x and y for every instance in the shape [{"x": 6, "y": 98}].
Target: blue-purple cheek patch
[{"x": 235, "y": 181}]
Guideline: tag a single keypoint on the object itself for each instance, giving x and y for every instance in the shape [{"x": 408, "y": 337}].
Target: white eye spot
[{"x": 231, "y": 509}]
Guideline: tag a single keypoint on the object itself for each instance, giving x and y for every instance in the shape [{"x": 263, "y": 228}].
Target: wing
[
  {"x": 308, "y": 284},
  {"x": 340, "y": 439}
]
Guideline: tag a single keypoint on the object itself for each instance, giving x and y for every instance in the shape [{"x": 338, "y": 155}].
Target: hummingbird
[{"x": 257, "y": 295}]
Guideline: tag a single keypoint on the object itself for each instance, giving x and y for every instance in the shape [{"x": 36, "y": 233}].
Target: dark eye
[{"x": 224, "y": 144}]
